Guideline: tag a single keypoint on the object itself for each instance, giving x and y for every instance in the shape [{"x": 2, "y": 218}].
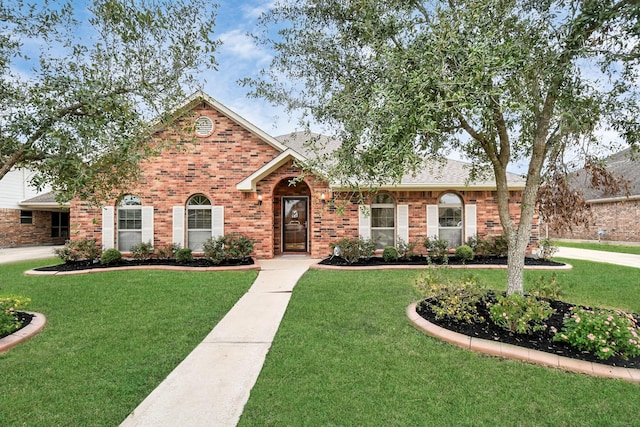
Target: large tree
[
  {"x": 502, "y": 81},
  {"x": 80, "y": 82}
]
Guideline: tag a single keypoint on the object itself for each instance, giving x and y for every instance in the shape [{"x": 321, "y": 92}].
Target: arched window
[
  {"x": 198, "y": 222},
  {"x": 383, "y": 221},
  {"x": 129, "y": 222},
  {"x": 450, "y": 219}
]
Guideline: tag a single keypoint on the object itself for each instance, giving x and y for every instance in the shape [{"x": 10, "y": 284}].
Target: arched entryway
[{"x": 291, "y": 217}]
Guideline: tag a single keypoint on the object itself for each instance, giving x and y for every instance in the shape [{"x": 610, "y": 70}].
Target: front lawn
[
  {"x": 110, "y": 339},
  {"x": 345, "y": 354}
]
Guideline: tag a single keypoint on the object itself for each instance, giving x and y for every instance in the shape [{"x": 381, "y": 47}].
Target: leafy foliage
[
  {"x": 110, "y": 256},
  {"x": 436, "y": 247},
  {"x": 231, "y": 246},
  {"x": 9, "y": 320},
  {"x": 406, "y": 250},
  {"x": 184, "y": 255},
  {"x": 352, "y": 249},
  {"x": 604, "y": 332},
  {"x": 82, "y": 117},
  {"x": 520, "y": 314},
  {"x": 80, "y": 250},
  {"x": 464, "y": 252},
  {"x": 167, "y": 251},
  {"x": 543, "y": 288},
  {"x": 142, "y": 251},
  {"x": 548, "y": 249},
  {"x": 390, "y": 254}
]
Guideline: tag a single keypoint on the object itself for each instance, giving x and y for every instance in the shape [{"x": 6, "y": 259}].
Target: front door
[{"x": 294, "y": 224}]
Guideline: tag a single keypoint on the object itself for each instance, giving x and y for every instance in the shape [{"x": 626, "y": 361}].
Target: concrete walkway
[
  {"x": 628, "y": 260},
  {"x": 25, "y": 253},
  {"x": 211, "y": 386}
]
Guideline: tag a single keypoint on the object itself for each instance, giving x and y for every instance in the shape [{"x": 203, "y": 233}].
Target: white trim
[
  {"x": 432, "y": 221},
  {"x": 178, "y": 225},
  {"x": 403, "y": 222},
  {"x": 108, "y": 227},
  {"x": 249, "y": 183},
  {"x": 217, "y": 221},
  {"x": 364, "y": 221},
  {"x": 470, "y": 222},
  {"x": 147, "y": 224}
]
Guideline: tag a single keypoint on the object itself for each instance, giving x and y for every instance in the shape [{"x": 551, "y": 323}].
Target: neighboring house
[
  {"x": 614, "y": 218},
  {"x": 237, "y": 179},
  {"x": 28, "y": 217}
]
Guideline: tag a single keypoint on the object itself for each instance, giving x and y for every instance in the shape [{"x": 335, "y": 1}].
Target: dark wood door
[{"x": 294, "y": 224}]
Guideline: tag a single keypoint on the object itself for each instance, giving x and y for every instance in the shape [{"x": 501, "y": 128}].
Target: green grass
[
  {"x": 602, "y": 247},
  {"x": 110, "y": 339},
  {"x": 345, "y": 355}
]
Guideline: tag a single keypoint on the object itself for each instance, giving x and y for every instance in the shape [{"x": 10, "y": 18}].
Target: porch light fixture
[
  {"x": 259, "y": 199},
  {"x": 323, "y": 198}
]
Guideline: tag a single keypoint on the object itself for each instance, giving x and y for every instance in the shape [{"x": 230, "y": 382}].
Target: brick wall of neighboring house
[
  {"x": 617, "y": 220},
  {"x": 13, "y": 233}
]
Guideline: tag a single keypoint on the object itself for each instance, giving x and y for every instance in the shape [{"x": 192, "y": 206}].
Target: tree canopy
[
  {"x": 80, "y": 85},
  {"x": 502, "y": 81}
]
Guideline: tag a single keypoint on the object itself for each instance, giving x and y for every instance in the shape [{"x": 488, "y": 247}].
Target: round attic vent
[{"x": 204, "y": 126}]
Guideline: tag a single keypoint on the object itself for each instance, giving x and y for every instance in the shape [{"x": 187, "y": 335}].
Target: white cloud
[{"x": 241, "y": 46}]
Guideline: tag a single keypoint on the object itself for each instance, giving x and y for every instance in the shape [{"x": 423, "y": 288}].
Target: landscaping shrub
[
  {"x": 603, "y": 332},
  {"x": 547, "y": 249},
  {"x": 543, "y": 288},
  {"x": 184, "y": 255},
  {"x": 491, "y": 246},
  {"x": 352, "y": 249},
  {"x": 390, "y": 254},
  {"x": 237, "y": 246},
  {"x": 520, "y": 314},
  {"x": 436, "y": 247},
  {"x": 464, "y": 253},
  {"x": 213, "y": 249},
  {"x": 79, "y": 250},
  {"x": 110, "y": 256},
  {"x": 9, "y": 320},
  {"x": 142, "y": 251},
  {"x": 406, "y": 250},
  {"x": 452, "y": 300},
  {"x": 167, "y": 251}
]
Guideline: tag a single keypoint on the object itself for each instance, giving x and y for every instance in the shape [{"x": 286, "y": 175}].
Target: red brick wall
[
  {"x": 217, "y": 163},
  {"x": 618, "y": 220},
  {"x": 12, "y": 233}
]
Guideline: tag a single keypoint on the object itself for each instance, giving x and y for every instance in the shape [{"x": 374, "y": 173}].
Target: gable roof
[
  {"x": 434, "y": 174},
  {"x": 44, "y": 202}
]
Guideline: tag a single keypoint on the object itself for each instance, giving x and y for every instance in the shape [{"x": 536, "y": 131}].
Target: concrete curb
[
  {"x": 34, "y": 327},
  {"x": 424, "y": 267},
  {"x": 520, "y": 353}
]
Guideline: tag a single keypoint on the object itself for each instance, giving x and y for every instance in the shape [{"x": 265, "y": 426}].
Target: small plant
[
  {"x": 80, "y": 250},
  {"x": 464, "y": 253},
  {"x": 406, "y": 250},
  {"x": 456, "y": 301},
  {"x": 491, "y": 246},
  {"x": 237, "y": 246},
  {"x": 213, "y": 249},
  {"x": 184, "y": 255},
  {"x": 110, "y": 257},
  {"x": 543, "y": 288},
  {"x": 603, "y": 332},
  {"x": 436, "y": 247},
  {"x": 142, "y": 251},
  {"x": 519, "y": 314},
  {"x": 390, "y": 254},
  {"x": 352, "y": 249},
  {"x": 9, "y": 319},
  {"x": 167, "y": 251},
  {"x": 547, "y": 249}
]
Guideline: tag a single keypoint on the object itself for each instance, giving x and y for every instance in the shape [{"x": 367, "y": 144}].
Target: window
[
  {"x": 204, "y": 126},
  {"x": 450, "y": 219},
  {"x": 198, "y": 222},
  {"x": 129, "y": 222},
  {"x": 60, "y": 224},
  {"x": 26, "y": 217},
  {"x": 383, "y": 221}
]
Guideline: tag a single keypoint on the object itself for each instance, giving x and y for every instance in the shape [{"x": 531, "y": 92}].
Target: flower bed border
[
  {"x": 34, "y": 327},
  {"x": 510, "y": 351}
]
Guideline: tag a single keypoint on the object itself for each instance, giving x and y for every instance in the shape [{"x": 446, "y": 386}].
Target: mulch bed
[
  {"x": 196, "y": 263},
  {"x": 539, "y": 340},
  {"x": 422, "y": 260}
]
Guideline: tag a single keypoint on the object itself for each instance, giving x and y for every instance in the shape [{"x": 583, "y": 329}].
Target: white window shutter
[
  {"x": 432, "y": 221},
  {"x": 364, "y": 221},
  {"x": 147, "y": 224},
  {"x": 403, "y": 222},
  {"x": 470, "y": 221},
  {"x": 108, "y": 229},
  {"x": 178, "y": 225},
  {"x": 217, "y": 221}
]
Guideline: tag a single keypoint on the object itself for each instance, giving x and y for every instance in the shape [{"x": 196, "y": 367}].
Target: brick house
[
  {"x": 613, "y": 218},
  {"x": 29, "y": 217},
  {"x": 237, "y": 179}
]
